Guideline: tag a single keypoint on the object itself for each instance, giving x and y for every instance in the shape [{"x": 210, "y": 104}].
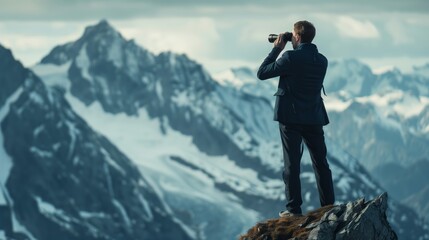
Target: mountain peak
[
  {"x": 103, "y": 35},
  {"x": 422, "y": 70},
  {"x": 101, "y": 28}
]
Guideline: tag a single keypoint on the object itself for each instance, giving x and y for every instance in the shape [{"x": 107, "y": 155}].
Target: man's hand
[{"x": 279, "y": 42}]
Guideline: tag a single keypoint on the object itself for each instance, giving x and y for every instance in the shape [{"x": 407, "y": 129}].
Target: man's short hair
[{"x": 305, "y": 30}]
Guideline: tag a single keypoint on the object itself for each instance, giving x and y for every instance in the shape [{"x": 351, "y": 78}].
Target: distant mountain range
[
  {"x": 381, "y": 119},
  {"x": 105, "y": 140}
]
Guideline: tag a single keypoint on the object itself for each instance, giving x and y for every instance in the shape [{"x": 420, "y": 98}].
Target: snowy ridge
[
  {"x": 6, "y": 162},
  {"x": 236, "y": 77},
  {"x": 422, "y": 71},
  {"x": 53, "y": 75}
]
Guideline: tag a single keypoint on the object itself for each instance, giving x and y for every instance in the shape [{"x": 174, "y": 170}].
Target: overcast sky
[{"x": 226, "y": 33}]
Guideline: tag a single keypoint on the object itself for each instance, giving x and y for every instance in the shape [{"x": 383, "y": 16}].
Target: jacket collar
[{"x": 307, "y": 46}]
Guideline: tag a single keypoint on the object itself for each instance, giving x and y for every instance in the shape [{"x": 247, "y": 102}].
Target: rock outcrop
[{"x": 353, "y": 220}]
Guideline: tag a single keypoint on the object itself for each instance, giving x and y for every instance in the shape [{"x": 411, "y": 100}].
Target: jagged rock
[{"x": 353, "y": 220}]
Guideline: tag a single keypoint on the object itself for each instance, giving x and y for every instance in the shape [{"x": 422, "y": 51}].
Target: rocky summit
[{"x": 353, "y": 220}]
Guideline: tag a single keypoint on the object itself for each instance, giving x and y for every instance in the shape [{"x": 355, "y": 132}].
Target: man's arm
[{"x": 270, "y": 67}]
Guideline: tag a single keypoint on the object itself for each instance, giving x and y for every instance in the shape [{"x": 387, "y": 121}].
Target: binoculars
[{"x": 286, "y": 37}]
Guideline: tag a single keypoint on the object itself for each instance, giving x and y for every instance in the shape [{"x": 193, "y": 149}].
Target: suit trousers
[{"x": 292, "y": 136}]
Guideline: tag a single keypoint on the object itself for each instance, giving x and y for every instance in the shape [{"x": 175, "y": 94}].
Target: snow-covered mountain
[
  {"x": 60, "y": 179},
  {"x": 213, "y": 168}
]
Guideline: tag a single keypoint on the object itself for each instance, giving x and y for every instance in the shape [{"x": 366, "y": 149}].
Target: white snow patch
[
  {"x": 40, "y": 153},
  {"x": 104, "y": 87},
  {"x": 124, "y": 214},
  {"x": 84, "y": 214},
  {"x": 383, "y": 69},
  {"x": 397, "y": 102},
  {"x": 238, "y": 77},
  {"x": 310, "y": 176},
  {"x": 38, "y": 130},
  {"x": 73, "y": 132},
  {"x": 109, "y": 180},
  {"x": 45, "y": 207},
  {"x": 36, "y": 98},
  {"x": 148, "y": 216},
  {"x": 111, "y": 162},
  {"x": 55, "y": 214},
  {"x": 53, "y": 75},
  {"x": 335, "y": 104},
  {"x": 226, "y": 77},
  {"x": 307, "y": 196},
  {"x": 172, "y": 59},
  {"x": 75, "y": 160},
  {"x": 158, "y": 89},
  {"x": 115, "y": 53},
  {"x": 426, "y": 129},
  {"x": 132, "y": 63},
  {"x": 181, "y": 99},
  {"x": 83, "y": 62},
  {"x": 242, "y": 138}
]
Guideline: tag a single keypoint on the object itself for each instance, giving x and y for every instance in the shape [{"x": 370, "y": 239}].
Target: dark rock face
[
  {"x": 15, "y": 74},
  {"x": 353, "y": 220},
  {"x": 68, "y": 181},
  {"x": 5, "y": 220}
]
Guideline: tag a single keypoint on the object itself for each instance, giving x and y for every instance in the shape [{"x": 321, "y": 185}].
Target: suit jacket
[{"x": 298, "y": 97}]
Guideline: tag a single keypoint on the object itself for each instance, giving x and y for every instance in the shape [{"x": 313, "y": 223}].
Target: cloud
[
  {"x": 219, "y": 42},
  {"x": 31, "y": 40},
  {"x": 353, "y": 28},
  {"x": 194, "y": 36},
  {"x": 398, "y": 32},
  {"x": 128, "y": 9}
]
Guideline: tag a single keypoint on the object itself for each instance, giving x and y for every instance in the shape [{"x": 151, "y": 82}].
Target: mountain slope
[
  {"x": 65, "y": 180},
  {"x": 197, "y": 142}
]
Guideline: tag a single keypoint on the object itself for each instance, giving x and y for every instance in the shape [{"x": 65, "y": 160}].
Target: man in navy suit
[{"x": 300, "y": 111}]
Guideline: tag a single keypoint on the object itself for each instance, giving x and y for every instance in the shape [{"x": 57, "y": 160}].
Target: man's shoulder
[
  {"x": 323, "y": 57},
  {"x": 289, "y": 54}
]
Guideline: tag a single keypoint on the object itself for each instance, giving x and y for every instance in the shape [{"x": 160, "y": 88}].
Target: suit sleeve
[{"x": 271, "y": 68}]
